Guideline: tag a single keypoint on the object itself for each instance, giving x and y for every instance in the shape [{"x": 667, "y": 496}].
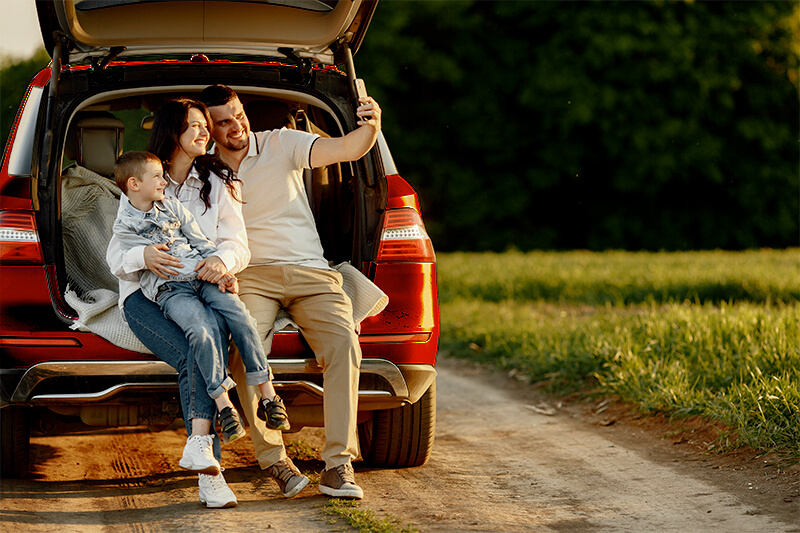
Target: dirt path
[{"x": 499, "y": 464}]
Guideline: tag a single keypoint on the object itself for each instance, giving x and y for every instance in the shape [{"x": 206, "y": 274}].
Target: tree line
[
  {"x": 597, "y": 125},
  {"x": 592, "y": 125}
]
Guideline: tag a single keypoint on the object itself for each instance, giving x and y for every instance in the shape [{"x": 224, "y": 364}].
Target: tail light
[
  {"x": 404, "y": 238},
  {"x": 19, "y": 242}
]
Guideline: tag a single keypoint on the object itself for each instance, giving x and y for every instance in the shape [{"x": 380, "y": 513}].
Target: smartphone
[{"x": 361, "y": 92}]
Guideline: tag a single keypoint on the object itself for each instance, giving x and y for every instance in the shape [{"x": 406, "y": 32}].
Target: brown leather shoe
[
  {"x": 288, "y": 477},
  {"x": 340, "y": 482}
]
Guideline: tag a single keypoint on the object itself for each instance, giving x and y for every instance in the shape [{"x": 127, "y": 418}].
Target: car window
[
  {"x": 19, "y": 163},
  {"x": 388, "y": 162}
]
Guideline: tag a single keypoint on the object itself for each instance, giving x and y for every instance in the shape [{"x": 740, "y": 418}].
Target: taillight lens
[
  {"x": 19, "y": 242},
  {"x": 404, "y": 238}
]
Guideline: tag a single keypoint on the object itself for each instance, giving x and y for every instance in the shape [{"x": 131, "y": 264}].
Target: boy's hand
[{"x": 229, "y": 283}]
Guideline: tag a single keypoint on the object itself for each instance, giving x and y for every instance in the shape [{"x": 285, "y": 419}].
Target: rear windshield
[{"x": 322, "y": 6}]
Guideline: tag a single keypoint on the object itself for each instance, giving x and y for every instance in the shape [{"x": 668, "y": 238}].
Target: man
[{"x": 287, "y": 270}]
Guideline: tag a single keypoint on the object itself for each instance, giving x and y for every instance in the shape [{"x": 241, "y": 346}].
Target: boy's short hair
[{"x": 132, "y": 164}]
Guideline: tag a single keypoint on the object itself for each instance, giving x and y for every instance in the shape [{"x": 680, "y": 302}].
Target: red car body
[{"x": 55, "y": 378}]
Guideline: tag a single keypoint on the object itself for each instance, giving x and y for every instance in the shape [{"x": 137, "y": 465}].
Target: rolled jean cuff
[
  {"x": 204, "y": 416},
  {"x": 227, "y": 385},
  {"x": 257, "y": 378}
]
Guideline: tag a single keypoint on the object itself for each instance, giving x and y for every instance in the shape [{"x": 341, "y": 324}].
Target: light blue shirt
[{"x": 168, "y": 222}]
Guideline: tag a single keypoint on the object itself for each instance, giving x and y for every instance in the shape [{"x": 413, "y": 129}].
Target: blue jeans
[
  {"x": 191, "y": 305},
  {"x": 168, "y": 342}
]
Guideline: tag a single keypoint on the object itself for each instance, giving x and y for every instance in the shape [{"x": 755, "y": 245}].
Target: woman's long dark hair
[{"x": 169, "y": 124}]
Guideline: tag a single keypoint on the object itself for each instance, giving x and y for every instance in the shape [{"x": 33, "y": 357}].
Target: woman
[{"x": 209, "y": 189}]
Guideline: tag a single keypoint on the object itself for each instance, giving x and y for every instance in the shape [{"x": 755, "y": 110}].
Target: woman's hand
[
  {"x": 159, "y": 262},
  {"x": 211, "y": 269}
]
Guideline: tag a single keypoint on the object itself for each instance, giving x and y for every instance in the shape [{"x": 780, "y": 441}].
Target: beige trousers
[{"x": 315, "y": 300}]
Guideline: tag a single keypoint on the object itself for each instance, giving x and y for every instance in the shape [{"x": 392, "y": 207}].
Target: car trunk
[
  {"x": 101, "y": 111},
  {"x": 137, "y": 54}
]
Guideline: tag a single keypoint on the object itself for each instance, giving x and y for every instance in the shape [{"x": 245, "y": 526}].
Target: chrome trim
[
  {"x": 102, "y": 396},
  {"x": 381, "y": 367},
  {"x": 315, "y": 390},
  {"x": 44, "y": 371}
]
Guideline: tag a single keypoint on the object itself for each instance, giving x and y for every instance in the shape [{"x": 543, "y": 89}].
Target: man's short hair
[
  {"x": 132, "y": 164},
  {"x": 214, "y": 95}
]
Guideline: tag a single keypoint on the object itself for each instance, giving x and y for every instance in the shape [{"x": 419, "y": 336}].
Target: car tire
[
  {"x": 400, "y": 437},
  {"x": 14, "y": 442}
]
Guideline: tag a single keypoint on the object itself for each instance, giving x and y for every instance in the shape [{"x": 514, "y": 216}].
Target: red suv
[{"x": 114, "y": 63}]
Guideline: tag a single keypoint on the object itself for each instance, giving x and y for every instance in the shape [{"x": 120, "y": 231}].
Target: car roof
[{"x": 310, "y": 28}]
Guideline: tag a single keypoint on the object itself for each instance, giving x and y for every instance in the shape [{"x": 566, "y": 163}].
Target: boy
[{"x": 151, "y": 218}]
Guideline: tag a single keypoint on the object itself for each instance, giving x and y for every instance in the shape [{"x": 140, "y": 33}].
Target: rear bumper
[{"x": 384, "y": 385}]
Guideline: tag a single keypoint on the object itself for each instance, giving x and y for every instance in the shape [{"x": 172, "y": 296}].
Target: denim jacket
[{"x": 168, "y": 222}]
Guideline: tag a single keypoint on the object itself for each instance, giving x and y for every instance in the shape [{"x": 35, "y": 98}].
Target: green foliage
[
  {"x": 14, "y": 79},
  {"x": 734, "y": 359},
  {"x": 632, "y": 125}
]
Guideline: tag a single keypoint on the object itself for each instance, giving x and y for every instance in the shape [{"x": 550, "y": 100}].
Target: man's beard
[{"x": 235, "y": 146}]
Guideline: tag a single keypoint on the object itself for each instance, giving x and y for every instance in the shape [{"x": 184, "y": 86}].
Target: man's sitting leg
[{"x": 326, "y": 319}]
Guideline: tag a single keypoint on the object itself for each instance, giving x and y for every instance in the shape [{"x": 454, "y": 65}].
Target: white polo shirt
[{"x": 280, "y": 225}]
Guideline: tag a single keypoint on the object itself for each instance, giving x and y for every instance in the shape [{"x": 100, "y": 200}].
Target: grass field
[{"x": 712, "y": 334}]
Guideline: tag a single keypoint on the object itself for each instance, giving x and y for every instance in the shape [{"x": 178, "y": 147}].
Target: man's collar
[{"x": 252, "y": 149}]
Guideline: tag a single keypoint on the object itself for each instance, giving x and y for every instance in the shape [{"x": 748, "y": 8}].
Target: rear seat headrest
[{"x": 95, "y": 141}]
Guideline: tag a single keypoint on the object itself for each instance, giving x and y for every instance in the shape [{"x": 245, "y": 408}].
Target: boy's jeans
[{"x": 189, "y": 304}]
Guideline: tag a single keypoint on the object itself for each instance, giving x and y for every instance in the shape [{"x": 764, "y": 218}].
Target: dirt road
[{"x": 503, "y": 461}]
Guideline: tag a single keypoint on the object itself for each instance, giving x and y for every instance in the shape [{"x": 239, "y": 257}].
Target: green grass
[
  {"x": 363, "y": 521},
  {"x": 622, "y": 278},
  {"x": 711, "y": 334}
]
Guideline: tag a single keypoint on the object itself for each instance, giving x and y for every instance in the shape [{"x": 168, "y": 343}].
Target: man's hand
[
  {"x": 369, "y": 113},
  {"x": 353, "y": 146},
  {"x": 211, "y": 269},
  {"x": 159, "y": 262},
  {"x": 229, "y": 283}
]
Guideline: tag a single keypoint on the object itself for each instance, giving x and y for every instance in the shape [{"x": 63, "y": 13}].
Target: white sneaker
[
  {"x": 198, "y": 455},
  {"x": 214, "y": 492}
]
